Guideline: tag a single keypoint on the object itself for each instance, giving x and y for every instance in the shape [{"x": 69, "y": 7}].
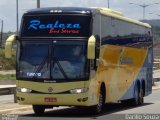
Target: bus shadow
[
  {"x": 74, "y": 112},
  {"x": 117, "y": 107}
]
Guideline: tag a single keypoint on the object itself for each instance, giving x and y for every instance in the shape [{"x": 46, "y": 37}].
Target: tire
[
  {"x": 38, "y": 109},
  {"x": 135, "y": 101},
  {"x": 99, "y": 107},
  {"x": 141, "y": 99}
]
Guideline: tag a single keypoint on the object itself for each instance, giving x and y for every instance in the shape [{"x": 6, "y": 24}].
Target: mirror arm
[{"x": 8, "y": 45}]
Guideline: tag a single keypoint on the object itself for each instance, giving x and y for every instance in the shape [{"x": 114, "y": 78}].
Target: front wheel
[
  {"x": 99, "y": 107},
  {"x": 38, "y": 109}
]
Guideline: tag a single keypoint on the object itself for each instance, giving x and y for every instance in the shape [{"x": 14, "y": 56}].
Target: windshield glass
[
  {"x": 34, "y": 61},
  {"x": 68, "y": 62},
  {"x": 63, "y": 60}
]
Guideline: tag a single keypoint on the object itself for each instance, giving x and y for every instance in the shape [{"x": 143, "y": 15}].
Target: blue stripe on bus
[{"x": 138, "y": 42}]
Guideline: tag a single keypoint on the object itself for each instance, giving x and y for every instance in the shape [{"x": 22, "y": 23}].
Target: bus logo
[
  {"x": 56, "y": 27},
  {"x": 36, "y": 24},
  {"x": 50, "y": 89}
]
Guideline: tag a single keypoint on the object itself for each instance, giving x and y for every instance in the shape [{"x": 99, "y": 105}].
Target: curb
[
  {"x": 155, "y": 88},
  {"x": 4, "y": 72},
  {"x": 7, "y": 90}
]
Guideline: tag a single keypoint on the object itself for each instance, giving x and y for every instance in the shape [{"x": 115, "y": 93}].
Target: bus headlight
[
  {"x": 24, "y": 90},
  {"x": 80, "y": 90}
]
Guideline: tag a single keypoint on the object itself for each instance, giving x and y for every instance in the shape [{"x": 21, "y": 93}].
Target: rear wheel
[
  {"x": 141, "y": 100},
  {"x": 38, "y": 109},
  {"x": 136, "y": 100}
]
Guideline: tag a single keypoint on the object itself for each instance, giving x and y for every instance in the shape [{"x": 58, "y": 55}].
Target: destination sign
[{"x": 55, "y": 26}]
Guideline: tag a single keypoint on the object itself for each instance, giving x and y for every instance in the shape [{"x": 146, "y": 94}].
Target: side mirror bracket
[{"x": 8, "y": 45}]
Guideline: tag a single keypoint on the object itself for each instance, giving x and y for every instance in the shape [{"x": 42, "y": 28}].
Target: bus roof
[
  {"x": 81, "y": 10},
  {"x": 119, "y": 15},
  {"x": 64, "y": 10}
]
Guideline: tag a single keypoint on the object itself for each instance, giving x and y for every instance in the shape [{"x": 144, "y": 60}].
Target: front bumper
[{"x": 81, "y": 99}]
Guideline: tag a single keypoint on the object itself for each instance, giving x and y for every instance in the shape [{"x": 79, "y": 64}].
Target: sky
[{"x": 8, "y": 8}]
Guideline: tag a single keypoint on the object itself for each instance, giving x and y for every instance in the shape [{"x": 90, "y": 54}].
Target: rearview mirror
[
  {"x": 8, "y": 46},
  {"x": 91, "y": 47}
]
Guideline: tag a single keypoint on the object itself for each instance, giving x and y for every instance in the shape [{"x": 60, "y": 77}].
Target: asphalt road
[{"x": 114, "y": 111}]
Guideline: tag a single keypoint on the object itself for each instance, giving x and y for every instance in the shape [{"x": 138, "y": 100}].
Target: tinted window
[
  {"x": 69, "y": 62},
  {"x": 34, "y": 61}
]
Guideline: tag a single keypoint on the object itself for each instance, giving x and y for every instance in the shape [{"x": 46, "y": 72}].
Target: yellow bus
[{"x": 71, "y": 56}]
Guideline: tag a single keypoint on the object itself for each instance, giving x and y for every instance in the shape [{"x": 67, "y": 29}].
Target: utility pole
[
  {"x": 17, "y": 15},
  {"x": 144, "y": 7},
  {"x": 108, "y": 3},
  {"x": 38, "y": 3},
  {"x": 1, "y": 32}
]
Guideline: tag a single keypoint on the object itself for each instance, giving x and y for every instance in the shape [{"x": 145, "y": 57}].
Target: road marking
[{"x": 14, "y": 109}]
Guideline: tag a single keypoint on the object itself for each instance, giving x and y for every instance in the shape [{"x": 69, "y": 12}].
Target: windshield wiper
[
  {"x": 40, "y": 67},
  {"x": 60, "y": 67}
]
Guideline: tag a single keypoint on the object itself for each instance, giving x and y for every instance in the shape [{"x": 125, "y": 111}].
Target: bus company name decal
[{"x": 56, "y": 27}]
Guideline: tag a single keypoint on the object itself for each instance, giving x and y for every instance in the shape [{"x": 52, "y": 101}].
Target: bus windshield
[
  {"x": 68, "y": 62},
  {"x": 63, "y": 61},
  {"x": 34, "y": 61}
]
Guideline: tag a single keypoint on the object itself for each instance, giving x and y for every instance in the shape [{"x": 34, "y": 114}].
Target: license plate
[{"x": 50, "y": 99}]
